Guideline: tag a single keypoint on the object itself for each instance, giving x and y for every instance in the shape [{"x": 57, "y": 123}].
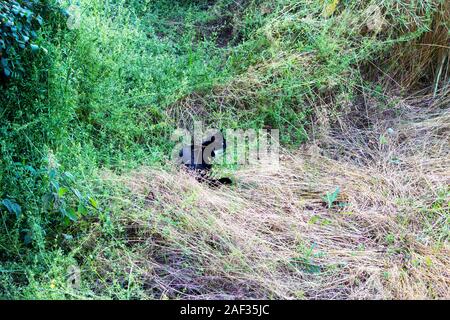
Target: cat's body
[{"x": 199, "y": 159}]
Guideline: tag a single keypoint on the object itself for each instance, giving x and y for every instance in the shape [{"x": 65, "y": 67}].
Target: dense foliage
[
  {"x": 19, "y": 23},
  {"x": 107, "y": 95}
]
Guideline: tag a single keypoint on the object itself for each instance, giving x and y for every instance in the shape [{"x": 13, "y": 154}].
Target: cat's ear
[{"x": 209, "y": 141}]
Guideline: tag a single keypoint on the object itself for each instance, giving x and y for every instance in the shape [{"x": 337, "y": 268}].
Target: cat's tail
[{"x": 220, "y": 182}]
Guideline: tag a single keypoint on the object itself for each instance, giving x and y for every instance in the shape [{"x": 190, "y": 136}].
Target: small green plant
[
  {"x": 305, "y": 261},
  {"x": 64, "y": 198},
  {"x": 330, "y": 199}
]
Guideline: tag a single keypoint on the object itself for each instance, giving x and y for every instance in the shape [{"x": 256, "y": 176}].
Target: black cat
[{"x": 199, "y": 159}]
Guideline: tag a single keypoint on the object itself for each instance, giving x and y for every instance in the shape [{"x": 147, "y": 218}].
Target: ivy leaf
[
  {"x": 40, "y": 20},
  {"x": 7, "y": 72},
  {"x": 34, "y": 47},
  {"x": 28, "y": 237},
  {"x": 12, "y": 207}
]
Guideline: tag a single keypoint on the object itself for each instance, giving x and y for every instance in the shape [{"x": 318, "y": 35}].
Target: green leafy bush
[{"x": 19, "y": 23}]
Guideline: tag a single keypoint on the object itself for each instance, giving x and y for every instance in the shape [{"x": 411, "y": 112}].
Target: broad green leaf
[
  {"x": 12, "y": 207},
  {"x": 71, "y": 214},
  {"x": 34, "y": 47}
]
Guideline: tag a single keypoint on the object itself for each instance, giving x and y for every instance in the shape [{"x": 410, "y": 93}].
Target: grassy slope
[{"x": 119, "y": 85}]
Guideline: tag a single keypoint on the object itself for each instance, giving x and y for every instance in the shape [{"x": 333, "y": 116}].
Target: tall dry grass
[{"x": 272, "y": 236}]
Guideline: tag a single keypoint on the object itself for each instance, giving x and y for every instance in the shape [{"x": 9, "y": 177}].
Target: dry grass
[
  {"x": 423, "y": 61},
  {"x": 272, "y": 236}
]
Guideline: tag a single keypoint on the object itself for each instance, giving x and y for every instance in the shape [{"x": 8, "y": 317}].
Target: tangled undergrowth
[
  {"x": 91, "y": 207},
  {"x": 384, "y": 235}
]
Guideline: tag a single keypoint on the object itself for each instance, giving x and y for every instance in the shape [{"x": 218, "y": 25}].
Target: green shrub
[{"x": 19, "y": 23}]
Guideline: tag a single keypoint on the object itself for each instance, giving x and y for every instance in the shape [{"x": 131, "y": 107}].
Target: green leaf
[
  {"x": 31, "y": 170},
  {"x": 28, "y": 238},
  {"x": 82, "y": 210},
  {"x": 12, "y": 207},
  {"x": 330, "y": 198},
  {"x": 383, "y": 140},
  {"x": 40, "y": 20},
  {"x": 34, "y": 47},
  {"x": 62, "y": 192},
  {"x": 48, "y": 200},
  {"x": 71, "y": 214},
  {"x": 7, "y": 72},
  {"x": 69, "y": 176},
  {"x": 68, "y": 237},
  {"x": 77, "y": 194},
  {"x": 93, "y": 203}
]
